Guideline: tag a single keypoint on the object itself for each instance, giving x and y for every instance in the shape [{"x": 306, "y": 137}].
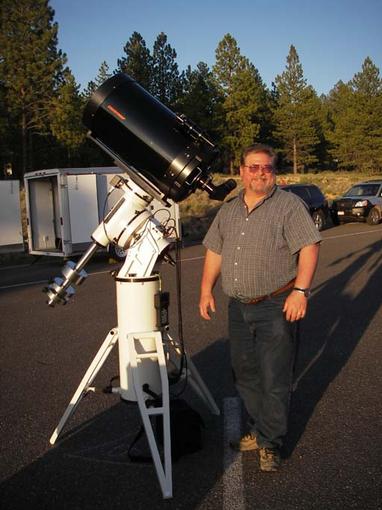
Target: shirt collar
[{"x": 269, "y": 195}]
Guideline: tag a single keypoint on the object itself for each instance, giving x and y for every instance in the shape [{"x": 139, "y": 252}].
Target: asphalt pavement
[{"x": 332, "y": 455}]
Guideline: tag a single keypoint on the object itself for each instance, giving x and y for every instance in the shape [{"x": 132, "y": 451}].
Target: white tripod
[{"x": 144, "y": 346}]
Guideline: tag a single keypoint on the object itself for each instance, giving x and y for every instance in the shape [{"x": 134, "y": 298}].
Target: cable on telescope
[{"x": 183, "y": 358}]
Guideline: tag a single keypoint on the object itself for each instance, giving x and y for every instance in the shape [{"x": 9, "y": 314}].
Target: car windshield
[{"x": 363, "y": 190}]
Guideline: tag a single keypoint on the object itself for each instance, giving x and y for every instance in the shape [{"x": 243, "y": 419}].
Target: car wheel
[
  {"x": 116, "y": 252},
  {"x": 374, "y": 217},
  {"x": 318, "y": 219},
  {"x": 334, "y": 218}
]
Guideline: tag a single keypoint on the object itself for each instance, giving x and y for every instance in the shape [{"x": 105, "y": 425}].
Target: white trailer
[
  {"x": 11, "y": 237},
  {"x": 65, "y": 205}
]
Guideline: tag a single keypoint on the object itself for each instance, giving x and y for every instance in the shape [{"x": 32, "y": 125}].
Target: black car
[
  {"x": 362, "y": 202},
  {"x": 314, "y": 199}
]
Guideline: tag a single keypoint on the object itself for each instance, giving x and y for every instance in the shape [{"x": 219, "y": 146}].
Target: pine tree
[
  {"x": 367, "y": 88},
  {"x": 228, "y": 61},
  {"x": 297, "y": 115},
  {"x": 138, "y": 61},
  {"x": 341, "y": 119},
  {"x": 166, "y": 81},
  {"x": 31, "y": 66},
  {"x": 66, "y": 116},
  {"x": 200, "y": 101},
  {"x": 368, "y": 81},
  {"x": 356, "y": 117},
  {"x": 103, "y": 75},
  {"x": 242, "y": 107},
  {"x": 322, "y": 151},
  {"x": 244, "y": 99}
]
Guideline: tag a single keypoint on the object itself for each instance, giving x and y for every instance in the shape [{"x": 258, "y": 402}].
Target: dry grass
[
  {"x": 197, "y": 211},
  {"x": 332, "y": 184}
]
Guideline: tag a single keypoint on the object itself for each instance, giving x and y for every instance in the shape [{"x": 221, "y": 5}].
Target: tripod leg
[
  {"x": 164, "y": 472},
  {"x": 88, "y": 378},
  {"x": 195, "y": 379}
]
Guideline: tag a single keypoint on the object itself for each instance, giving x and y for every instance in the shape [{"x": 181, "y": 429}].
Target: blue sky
[{"x": 332, "y": 37}]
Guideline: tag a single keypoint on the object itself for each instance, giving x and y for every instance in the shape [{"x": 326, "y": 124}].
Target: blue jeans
[{"x": 262, "y": 344}]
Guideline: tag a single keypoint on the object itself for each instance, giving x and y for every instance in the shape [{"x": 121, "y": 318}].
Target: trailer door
[
  {"x": 83, "y": 207},
  {"x": 42, "y": 213}
]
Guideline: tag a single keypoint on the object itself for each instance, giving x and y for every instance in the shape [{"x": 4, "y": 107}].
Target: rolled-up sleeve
[
  {"x": 299, "y": 229},
  {"x": 214, "y": 240}
]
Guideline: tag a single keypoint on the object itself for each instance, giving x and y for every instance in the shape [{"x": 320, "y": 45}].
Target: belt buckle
[
  {"x": 242, "y": 299},
  {"x": 259, "y": 299}
]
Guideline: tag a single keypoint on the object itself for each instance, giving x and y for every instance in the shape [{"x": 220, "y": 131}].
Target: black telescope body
[{"x": 140, "y": 132}]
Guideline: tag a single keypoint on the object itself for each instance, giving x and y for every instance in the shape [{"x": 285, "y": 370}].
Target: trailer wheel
[{"x": 116, "y": 253}]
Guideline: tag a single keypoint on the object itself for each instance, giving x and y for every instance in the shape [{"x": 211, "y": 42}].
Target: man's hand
[
  {"x": 206, "y": 303},
  {"x": 211, "y": 271},
  {"x": 296, "y": 303},
  {"x": 295, "y": 306}
]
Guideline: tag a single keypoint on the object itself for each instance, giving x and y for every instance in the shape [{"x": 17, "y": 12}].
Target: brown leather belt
[{"x": 287, "y": 286}]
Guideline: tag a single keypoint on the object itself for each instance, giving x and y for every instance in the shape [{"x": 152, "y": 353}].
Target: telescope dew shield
[{"x": 147, "y": 136}]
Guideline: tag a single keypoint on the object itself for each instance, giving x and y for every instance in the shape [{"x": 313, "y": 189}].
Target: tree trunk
[
  {"x": 24, "y": 149},
  {"x": 294, "y": 156},
  {"x": 30, "y": 165}
]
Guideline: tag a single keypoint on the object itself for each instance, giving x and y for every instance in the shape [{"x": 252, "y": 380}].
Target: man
[{"x": 265, "y": 246}]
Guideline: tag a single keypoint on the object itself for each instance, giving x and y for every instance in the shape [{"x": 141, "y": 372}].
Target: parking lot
[{"x": 332, "y": 453}]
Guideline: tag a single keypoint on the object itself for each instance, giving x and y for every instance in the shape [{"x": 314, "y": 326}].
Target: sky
[{"x": 332, "y": 37}]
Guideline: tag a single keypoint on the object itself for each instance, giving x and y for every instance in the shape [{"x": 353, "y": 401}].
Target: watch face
[{"x": 306, "y": 292}]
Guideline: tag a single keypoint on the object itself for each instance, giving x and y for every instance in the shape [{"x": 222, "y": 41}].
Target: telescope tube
[{"x": 167, "y": 149}]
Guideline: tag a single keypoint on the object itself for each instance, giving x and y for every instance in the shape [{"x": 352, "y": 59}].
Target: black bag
[{"x": 186, "y": 427}]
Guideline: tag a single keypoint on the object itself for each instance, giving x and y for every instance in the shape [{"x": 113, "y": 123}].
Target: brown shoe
[
  {"x": 245, "y": 443},
  {"x": 269, "y": 459}
]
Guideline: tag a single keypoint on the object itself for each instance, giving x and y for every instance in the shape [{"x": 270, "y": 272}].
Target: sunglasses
[{"x": 256, "y": 168}]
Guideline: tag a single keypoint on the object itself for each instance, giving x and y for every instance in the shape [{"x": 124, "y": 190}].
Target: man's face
[{"x": 258, "y": 174}]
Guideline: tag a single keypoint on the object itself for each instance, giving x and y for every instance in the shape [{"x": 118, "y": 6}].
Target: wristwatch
[{"x": 306, "y": 292}]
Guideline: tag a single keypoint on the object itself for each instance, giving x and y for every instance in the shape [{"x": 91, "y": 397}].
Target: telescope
[
  {"x": 164, "y": 153},
  {"x": 167, "y": 157}
]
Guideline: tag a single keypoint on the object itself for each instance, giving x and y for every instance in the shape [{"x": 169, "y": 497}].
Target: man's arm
[
  {"x": 296, "y": 303},
  {"x": 211, "y": 272}
]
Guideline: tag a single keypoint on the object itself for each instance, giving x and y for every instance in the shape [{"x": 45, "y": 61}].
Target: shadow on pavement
[
  {"x": 89, "y": 467},
  {"x": 339, "y": 314}
]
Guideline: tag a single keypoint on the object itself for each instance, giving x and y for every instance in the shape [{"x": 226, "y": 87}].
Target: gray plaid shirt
[{"x": 260, "y": 249}]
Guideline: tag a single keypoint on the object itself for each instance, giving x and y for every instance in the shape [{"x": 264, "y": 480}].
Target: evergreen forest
[{"x": 41, "y": 104}]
